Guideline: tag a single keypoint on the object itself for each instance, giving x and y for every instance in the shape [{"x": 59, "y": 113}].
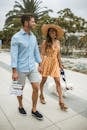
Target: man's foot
[
  {"x": 22, "y": 111},
  {"x": 37, "y": 115}
]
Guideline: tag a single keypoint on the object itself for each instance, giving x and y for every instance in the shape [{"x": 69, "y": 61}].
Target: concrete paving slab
[
  {"x": 5, "y": 124},
  {"x": 54, "y": 118},
  {"x": 53, "y": 127},
  {"x": 75, "y": 123}
]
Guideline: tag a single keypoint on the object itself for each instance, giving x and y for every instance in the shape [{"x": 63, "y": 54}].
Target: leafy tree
[
  {"x": 71, "y": 24},
  {"x": 83, "y": 42}
]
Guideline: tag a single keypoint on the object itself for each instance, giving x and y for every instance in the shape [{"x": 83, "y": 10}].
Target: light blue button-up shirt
[{"x": 24, "y": 51}]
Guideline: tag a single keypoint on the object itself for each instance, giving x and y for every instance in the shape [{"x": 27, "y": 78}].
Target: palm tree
[{"x": 27, "y": 6}]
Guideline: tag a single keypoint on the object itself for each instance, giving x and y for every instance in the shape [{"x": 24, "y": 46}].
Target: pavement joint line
[
  {"x": 50, "y": 126},
  {"x": 66, "y": 118},
  {"x": 7, "y": 118}
]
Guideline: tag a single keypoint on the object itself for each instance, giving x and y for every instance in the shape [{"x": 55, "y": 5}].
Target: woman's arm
[
  {"x": 60, "y": 61},
  {"x": 59, "y": 58},
  {"x": 42, "y": 49}
]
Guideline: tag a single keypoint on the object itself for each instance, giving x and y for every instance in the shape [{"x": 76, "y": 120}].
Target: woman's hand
[{"x": 61, "y": 67}]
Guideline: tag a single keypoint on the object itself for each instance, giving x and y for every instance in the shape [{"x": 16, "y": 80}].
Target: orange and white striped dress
[{"x": 50, "y": 64}]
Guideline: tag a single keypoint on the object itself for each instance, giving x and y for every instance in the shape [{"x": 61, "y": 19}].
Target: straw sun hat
[{"x": 59, "y": 30}]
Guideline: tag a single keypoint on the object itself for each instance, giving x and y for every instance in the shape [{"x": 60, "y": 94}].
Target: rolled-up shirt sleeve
[
  {"x": 14, "y": 52},
  {"x": 37, "y": 54}
]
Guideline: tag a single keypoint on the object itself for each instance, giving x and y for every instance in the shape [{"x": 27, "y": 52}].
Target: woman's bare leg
[
  {"x": 59, "y": 90},
  {"x": 41, "y": 90}
]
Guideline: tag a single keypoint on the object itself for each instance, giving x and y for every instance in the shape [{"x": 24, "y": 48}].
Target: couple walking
[{"x": 24, "y": 54}]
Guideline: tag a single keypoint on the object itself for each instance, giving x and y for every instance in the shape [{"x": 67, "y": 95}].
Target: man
[{"x": 24, "y": 54}]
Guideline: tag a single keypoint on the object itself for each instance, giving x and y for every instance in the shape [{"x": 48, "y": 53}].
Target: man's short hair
[{"x": 26, "y": 17}]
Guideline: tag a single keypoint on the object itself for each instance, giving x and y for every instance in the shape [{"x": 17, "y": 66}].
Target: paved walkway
[{"x": 54, "y": 119}]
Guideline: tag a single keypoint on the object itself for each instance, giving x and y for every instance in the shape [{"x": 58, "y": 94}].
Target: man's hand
[
  {"x": 14, "y": 75},
  {"x": 40, "y": 68}
]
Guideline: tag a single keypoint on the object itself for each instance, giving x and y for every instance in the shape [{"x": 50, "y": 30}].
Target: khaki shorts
[{"x": 32, "y": 76}]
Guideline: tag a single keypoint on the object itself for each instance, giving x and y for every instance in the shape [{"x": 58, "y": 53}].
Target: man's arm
[
  {"x": 14, "y": 57},
  {"x": 37, "y": 54}
]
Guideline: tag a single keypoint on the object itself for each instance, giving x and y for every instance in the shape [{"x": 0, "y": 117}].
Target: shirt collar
[{"x": 23, "y": 32}]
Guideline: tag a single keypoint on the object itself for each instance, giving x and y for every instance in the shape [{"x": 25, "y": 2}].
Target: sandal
[{"x": 63, "y": 106}]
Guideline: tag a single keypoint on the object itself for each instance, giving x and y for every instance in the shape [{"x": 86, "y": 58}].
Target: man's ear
[{"x": 26, "y": 23}]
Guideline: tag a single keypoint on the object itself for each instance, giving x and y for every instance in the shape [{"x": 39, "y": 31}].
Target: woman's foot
[
  {"x": 42, "y": 100},
  {"x": 63, "y": 106}
]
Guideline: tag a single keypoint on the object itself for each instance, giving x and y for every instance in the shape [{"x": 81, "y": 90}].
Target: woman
[{"x": 51, "y": 60}]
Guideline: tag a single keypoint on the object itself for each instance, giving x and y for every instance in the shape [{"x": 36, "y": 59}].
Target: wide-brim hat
[{"x": 59, "y": 30}]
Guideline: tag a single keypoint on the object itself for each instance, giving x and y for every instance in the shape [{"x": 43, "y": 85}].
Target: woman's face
[{"x": 52, "y": 33}]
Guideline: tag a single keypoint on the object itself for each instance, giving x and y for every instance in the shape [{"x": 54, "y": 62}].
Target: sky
[{"x": 78, "y": 7}]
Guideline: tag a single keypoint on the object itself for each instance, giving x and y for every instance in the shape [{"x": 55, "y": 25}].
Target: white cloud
[{"x": 78, "y": 7}]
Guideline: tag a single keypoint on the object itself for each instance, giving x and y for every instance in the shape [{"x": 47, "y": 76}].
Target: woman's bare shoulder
[
  {"x": 58, "y": 43},
  {"x": 43, "y": 43}
]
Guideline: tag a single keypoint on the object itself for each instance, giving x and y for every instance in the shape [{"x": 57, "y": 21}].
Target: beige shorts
[{"x": 32, "y": 76}]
